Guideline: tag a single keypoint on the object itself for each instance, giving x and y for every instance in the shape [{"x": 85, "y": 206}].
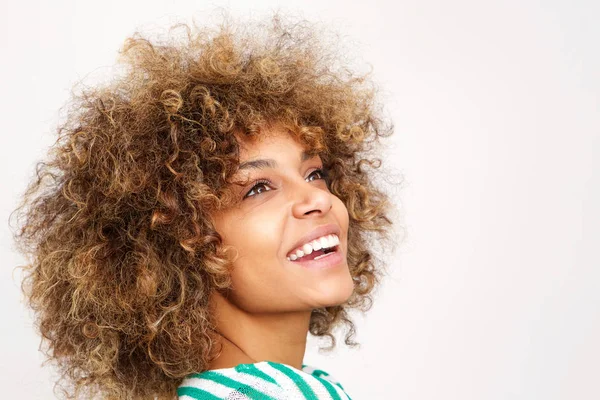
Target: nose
[{"x": 310, "y": 199}]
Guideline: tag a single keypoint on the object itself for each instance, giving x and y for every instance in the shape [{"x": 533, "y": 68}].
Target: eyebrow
[{"x": 270, "y": 163}]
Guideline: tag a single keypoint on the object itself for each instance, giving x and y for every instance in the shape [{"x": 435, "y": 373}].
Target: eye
[
  {"x": 322, "y": 172},
  {"x": 265, "y": 183},
  {"x": 261, "y": 183}
]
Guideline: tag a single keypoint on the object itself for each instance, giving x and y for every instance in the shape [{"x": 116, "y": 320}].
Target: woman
[{"x": 201, "y": 214}]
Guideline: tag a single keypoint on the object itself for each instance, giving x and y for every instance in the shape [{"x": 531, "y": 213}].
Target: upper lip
[{"x": 317, "y": 233}]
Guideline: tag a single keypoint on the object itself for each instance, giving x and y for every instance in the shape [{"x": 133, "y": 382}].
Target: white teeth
[
  {"x": 317, "y": 244},
  {"x": 331, "y": 240},
  {"x": 307, "y": 248},
  {"x": 324, "y": 242}
]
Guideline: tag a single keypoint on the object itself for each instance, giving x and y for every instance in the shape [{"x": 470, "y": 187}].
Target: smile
[{"x": 315, "y": 249}]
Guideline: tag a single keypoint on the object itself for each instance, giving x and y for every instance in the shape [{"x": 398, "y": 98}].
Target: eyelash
[{"x": 324, "y": 175}]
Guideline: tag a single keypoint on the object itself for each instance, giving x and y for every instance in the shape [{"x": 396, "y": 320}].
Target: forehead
[
  {"x": 274, "y": 143},
  {"x": 268, "y": 149},
  {"x": 268, "y": 141}
]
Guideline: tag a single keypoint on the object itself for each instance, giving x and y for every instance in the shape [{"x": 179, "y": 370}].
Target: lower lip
[{"x": 330, "y": 260}]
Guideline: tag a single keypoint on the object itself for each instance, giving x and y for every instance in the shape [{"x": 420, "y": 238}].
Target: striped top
[{"x": 265, "y": 380}]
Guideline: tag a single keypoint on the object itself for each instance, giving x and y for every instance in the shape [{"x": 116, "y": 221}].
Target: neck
[{"x": 254, "y": 337}]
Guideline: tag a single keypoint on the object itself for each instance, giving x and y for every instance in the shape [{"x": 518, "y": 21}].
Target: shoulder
[
  {"x": 321, "y": 374},
  {"x": 262, "y": 380}
]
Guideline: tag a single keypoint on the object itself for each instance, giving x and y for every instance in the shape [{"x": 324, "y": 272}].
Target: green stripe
[
  {"x": 329, "y": 386},
  {"x": 335, "y": 383},
  {"x": 321, "y": 375},
  {"x": 239, "y": 386},
  {"x": 196, "y": 393},
  {"x": 302, "y": 385},
  {"x": 252, "y": 370},
  {"x": 319, "y": 372}
]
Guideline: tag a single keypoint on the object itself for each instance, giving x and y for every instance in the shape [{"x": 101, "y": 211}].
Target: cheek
[
  {"x": 251, "y": 231},
  {"x": 258, "y": 235},
  {"x": 257, "y": 239},
  {"x": 260, "y": 283}
]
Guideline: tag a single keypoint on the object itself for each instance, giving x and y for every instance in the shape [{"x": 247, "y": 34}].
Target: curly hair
[{"x": 116, "y": 225}]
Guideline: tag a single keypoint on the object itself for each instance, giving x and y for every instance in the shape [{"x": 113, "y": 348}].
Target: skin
[{"x": 265, "y": 317}]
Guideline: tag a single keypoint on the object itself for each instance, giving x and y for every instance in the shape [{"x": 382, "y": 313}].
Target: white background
[{"x": 495, "y": 292}]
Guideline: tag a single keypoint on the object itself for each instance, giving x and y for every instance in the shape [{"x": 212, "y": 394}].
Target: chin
[{"x": 338, "y": 294}]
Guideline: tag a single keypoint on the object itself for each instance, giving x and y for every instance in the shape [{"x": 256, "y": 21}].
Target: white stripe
[
  {"x": 317, "y": 386},
  {"x": 208, "y": 385},
  {"x": 288, "y": 386},
  {"x": 309, "y": 370},
  {"x": 328, "y": 378},
  {"x": 339, "y": 391},
  {"x": 255, "y": 382}
]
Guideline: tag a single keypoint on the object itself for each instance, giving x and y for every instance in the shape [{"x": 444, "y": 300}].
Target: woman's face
[{"x": 276, "y": 216}]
